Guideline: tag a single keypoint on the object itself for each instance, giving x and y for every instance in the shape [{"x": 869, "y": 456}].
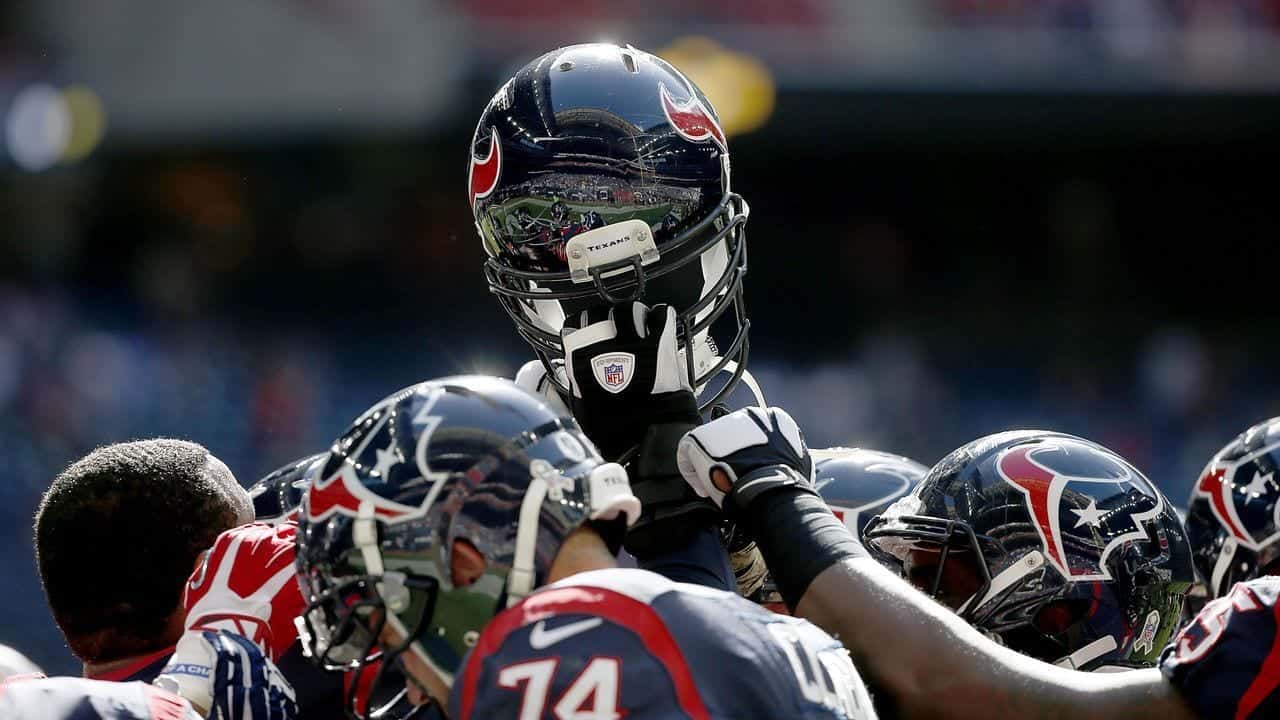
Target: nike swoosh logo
[{"x": 541, "y": 638}]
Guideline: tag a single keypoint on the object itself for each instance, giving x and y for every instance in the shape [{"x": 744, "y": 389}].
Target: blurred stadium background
[{"x": 243, "y": 221}]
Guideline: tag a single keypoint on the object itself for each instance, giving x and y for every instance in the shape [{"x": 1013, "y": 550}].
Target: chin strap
[
  {"x": 521, "y": 579},
  {"x": 1222, "y": 566}
]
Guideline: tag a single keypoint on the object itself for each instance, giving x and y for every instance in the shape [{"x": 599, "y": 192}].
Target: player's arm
[
  {"x": 936, "y": 665},
  {"x": 754, "y": 464}
]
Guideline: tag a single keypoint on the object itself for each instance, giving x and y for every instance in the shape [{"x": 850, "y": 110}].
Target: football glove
[
  {"x": 757, "y": 450},
  {"x": 228, "y": 677}
]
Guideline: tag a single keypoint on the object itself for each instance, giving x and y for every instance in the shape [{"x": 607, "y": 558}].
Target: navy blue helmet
[
  {"x": 859, "y": 484},
  {"x": 1053, "y": 545},
  {"x": 1233, "y": 518},
  {"x": 600, "y": 174},
  {"x": 441, "y": 506},
  {"x": 276, "y": 496}
]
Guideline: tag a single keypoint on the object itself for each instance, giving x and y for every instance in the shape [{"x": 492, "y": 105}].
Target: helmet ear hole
[{"x": 466, "y": 564}]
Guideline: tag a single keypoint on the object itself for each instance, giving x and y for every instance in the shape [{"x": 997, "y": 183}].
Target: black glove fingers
[{"x": 660, "y": 317}]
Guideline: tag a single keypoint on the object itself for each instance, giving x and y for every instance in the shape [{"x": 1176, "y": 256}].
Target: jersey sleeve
[
  {"x": 1226, "y": 662},
  {"x": 65, "y": 698},
  {"x": 701, "y": 561},
  {"x": 532, "y": 376}
]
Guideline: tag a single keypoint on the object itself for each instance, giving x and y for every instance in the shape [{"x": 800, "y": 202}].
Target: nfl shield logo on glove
[{"x": 614, "y": 370}]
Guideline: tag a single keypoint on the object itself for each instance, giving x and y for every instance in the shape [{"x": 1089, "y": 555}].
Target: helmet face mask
[
  {"x": 600, "y": 174},
  {"x": 1079, "y": 560},
  {"x": 470, "y": 462}
]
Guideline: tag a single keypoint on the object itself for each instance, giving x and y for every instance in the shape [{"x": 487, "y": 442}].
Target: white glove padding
[
  {"x": 628, "y": 343},
  {"x": 230, "y": 679},
  {"x": 757, "y": 449},
  {"x": 625, "y": 374}
]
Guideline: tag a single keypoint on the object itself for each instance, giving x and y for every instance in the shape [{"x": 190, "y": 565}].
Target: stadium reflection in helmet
[
  {"x": 1233, "y": 518},
  {"x": 1050, "y": 544},
  {"x": 600, "y": 174},
  {"x": 464, "y": 462}
]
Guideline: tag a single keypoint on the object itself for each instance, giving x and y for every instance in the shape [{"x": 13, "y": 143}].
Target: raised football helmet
[
  {"x": 600, "y": 174},
  {"x": 1233, "y": 519},
  {"x": 1050, "y": 544},
  {"x": 442, "y": 505}
]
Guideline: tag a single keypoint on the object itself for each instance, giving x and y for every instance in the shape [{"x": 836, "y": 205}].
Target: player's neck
[
  {"x": 173, "y": 631},
  {"x": 582, "y": 551}
]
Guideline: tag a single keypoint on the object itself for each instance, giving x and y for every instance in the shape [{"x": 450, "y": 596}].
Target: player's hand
[
  {"x": 625, "y": 374},
  {"x": 228, "y": 678},
  {"x": 633, "y": 398},
  {"x": 247, "y": 584},
  {"x": 738, "y": 457}
]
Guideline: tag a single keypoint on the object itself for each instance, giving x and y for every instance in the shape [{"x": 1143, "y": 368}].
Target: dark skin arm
[{"x": 936, "y": 666}]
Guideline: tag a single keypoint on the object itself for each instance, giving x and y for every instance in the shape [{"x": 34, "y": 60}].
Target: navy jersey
[
  {"x": 65, "y": 698},
  {"x": 629, "y": 643},
  {"x": 1226, "y": 662}
]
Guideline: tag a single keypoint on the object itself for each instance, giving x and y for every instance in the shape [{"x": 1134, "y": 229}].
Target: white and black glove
[
  {"x": 756, "y": 450},
  {"x": 753, "y": 463},
  {"x": 632, "y": 396},
  {"x": 625, "y": 374},
  {"x": 232, "y": 681}
]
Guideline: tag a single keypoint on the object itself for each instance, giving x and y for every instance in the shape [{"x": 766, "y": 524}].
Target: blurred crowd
[{"x": 258, "y": 399}]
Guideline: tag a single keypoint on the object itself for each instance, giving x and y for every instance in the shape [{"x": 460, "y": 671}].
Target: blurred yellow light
[
  {"x": 739, "y": 86},
  {"x": 88, "y": 122}
]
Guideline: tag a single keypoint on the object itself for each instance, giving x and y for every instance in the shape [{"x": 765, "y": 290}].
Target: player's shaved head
[{"x": 118, "y": 533}]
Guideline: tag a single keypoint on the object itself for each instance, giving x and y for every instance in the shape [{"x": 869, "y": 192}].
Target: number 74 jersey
[{"x": 625, "y": 643}]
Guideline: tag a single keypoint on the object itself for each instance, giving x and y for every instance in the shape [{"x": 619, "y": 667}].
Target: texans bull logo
[
  {"x": 692, "y": 120},
  {"x": 379, "y": 455},
  {"x": 1243, "y": 498},
  {"x": 482, "y": 178},
  {"x": 1054, "y": 500}
]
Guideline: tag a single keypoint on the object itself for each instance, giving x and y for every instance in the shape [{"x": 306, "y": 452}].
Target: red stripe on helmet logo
[
  {"x": 1043, "y": 489},
  {"x": 691, "y": 119},
  {"x": 484, "y": 173},
  {"x": 1215, "y": 486},
  {"x": 330, "y": 496},
  {"x": 1048, "y": 497}
]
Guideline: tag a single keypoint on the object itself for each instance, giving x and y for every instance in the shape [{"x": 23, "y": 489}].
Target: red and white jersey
[{"x": 64, "y": 698}]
